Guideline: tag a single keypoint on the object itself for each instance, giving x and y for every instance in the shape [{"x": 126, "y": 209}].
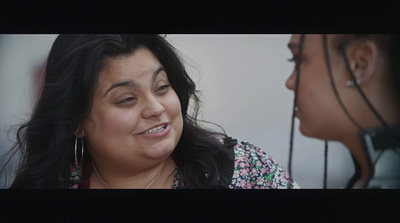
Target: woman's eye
[
  {"x": 127, "y": 100},
  {"x": 163, "y": 88},
  {"x": 293, "y": 59}
]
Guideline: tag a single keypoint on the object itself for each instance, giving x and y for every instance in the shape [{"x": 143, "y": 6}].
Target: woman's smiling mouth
[{"x": 157, "y": 131}]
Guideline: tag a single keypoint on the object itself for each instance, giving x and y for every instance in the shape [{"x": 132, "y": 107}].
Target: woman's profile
[{"x": 347, "y": 89}]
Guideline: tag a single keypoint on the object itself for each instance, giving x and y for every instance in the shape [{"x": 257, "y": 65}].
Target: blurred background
[{"x": 242, "y": 80}]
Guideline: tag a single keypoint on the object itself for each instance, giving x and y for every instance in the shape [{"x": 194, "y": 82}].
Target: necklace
[{"x": 98, "y": 175}]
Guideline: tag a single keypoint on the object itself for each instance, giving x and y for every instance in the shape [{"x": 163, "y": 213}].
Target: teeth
[{"x": 156, "y": 129}]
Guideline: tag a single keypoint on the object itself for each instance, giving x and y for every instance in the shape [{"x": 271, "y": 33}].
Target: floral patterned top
[{"x": 253, "y": 169}]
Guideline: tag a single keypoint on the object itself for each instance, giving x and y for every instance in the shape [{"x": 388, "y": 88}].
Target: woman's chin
[
  {"x": 317, "y": 134},
  {"x": 306, "y": 131},
  {"x": 160, "y": 151}
]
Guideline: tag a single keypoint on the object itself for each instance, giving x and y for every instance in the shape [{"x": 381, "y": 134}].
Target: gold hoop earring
[{"x": 76, "y": 155}]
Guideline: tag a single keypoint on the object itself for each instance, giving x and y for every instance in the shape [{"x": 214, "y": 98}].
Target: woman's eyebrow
[
  {"x": 121, "y": 84},
  {"x": 155, "y": 73},
  {"x": 132, "y": 83}
]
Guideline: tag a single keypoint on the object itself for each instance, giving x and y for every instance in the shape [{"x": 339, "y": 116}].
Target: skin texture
[
  {"x": 319, "y": 111},
  {"x": 316, "y": 98},
  {"x": 124, "y": 155}
]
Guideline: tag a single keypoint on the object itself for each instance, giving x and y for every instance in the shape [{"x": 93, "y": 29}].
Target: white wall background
[{"x": 242, "y": 80}]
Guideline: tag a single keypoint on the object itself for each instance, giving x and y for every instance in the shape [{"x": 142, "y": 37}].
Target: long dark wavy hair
[{"x": 46, "y": 141}]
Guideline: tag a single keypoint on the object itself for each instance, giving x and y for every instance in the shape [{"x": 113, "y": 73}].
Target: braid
[
  {"x": 393, "y": 47},
  {"x": 394, "y": 58},
  {"x": 295, "y": 102},
  {"x": 371, "y": 107},
  {"x": 326, "y": 164},
  {"x": 325, "y": 44},
  {"x": 293, "y": 116}
]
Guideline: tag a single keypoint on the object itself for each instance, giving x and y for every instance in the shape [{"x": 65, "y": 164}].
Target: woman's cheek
[
  {"x": 173, "y": 104},
  {"x": 118, "y": 121}
]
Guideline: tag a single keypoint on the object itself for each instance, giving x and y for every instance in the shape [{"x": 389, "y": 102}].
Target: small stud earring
[{"x": 358, "y": 82}]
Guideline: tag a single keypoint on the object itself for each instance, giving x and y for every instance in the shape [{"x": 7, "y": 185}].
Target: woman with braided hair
[{"x": 347, "y": 89}]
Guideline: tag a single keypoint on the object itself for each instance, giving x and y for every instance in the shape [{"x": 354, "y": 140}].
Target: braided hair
[{"x": 393, "y": 47}]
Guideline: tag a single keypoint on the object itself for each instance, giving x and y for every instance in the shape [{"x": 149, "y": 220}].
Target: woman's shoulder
[
  {"x": 254, "y": 168},
  {"x": 246, "y": 148},
  {"x": 246, "y": 151}
]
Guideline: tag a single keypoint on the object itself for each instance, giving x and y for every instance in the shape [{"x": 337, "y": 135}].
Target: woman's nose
[{"x": 153, "y": 108}]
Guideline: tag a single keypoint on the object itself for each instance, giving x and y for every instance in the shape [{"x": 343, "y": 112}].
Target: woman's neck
[
  {"x": 356, "y": 150},
  {"x": 161, "y": 176}
]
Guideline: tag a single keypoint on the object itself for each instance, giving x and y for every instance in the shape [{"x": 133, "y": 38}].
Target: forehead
[
  {"x": 133, "y": 67},
  {"x": 139, "y": 63},
  {"x": 295, "y": 38},
  {"x": 310, "y": 41},
  {"x": 138, "y": 67}
]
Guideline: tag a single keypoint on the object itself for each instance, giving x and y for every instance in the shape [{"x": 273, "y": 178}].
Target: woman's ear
[
  {"x": 80, "y": 133},
  {"x": 364, "y": 61}
]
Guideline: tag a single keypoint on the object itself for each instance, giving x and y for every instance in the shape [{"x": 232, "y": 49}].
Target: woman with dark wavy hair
[
  {"x": 347, "y": 89},
  {"x": 113, "y": 113}
]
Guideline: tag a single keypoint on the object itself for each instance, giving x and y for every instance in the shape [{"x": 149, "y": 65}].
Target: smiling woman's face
[{"x": 136, "y": 118}]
